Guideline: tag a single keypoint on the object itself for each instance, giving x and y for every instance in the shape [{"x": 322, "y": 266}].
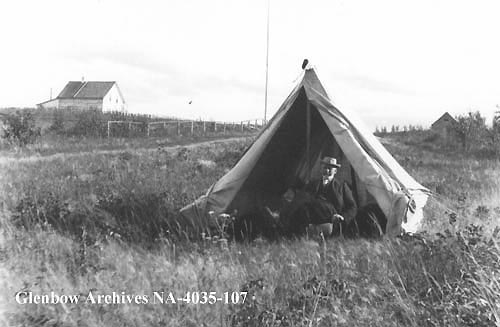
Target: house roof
[
  {"x": 85, "y": 90},
  {"x": 446, "y": 117},
  {"x": 45, "y": 102}
]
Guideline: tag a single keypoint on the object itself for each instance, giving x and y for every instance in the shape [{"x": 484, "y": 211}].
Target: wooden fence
[
  {"x": 71, "y": 122},
  {"x": 179, "y": 127}
]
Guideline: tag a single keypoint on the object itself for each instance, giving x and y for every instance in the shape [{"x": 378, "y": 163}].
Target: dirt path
[{"x": 63, "y": 156}]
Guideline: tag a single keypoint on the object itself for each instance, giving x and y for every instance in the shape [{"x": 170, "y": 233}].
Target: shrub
[
  {"x": 470, "y": 129},
  {"x": 88, "y": 123},
  {"x": 20, "y": 129},
  {"x": 57, "y": 125}
]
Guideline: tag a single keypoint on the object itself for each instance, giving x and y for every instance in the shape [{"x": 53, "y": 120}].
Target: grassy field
[
  {"x": 52, "y": 144},
  {"x": 73, "y": 131},
  {"x": 108, "y": 222}
]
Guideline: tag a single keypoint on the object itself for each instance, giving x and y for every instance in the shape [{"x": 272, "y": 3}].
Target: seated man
[
  {"x": 324, "y": 201},
  {"x": 334, "y": 199}
]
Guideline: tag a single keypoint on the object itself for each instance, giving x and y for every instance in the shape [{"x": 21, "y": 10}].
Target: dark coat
[
  {"x": 338, "y": 194},
  {"x": 317, "y": 204}
]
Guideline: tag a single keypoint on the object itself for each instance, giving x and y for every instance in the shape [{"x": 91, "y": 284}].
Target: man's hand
[
  {"x": 274, "y": 214},
  {"x": 338, "y": 217}
]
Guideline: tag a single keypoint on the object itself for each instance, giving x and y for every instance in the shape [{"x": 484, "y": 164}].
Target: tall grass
[
  {"x": 136, "y": 194},
  {"x": 109, "y": 223},
  {"x": 447, "y": 281}
]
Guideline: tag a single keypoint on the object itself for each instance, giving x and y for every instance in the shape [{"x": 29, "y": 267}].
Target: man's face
[{"x": 329, "y": 171}]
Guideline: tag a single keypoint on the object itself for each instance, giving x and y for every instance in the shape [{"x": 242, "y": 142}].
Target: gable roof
[
  {"x": 85, "y": 90},
  {"x": 286, "y": 146},
  {"x": 446, "y": 117}
]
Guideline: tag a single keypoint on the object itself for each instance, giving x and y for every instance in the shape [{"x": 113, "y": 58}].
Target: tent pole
[
  {"x": 355, "y": 186},
  {"x": 308, "y": 141},
  {"x": 267, "y": 61}
]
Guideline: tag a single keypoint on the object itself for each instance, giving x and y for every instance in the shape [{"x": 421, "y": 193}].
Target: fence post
[
  {"x": 204, "y": 127},
  {"x": 192, "y": 127},
  {"x": 215, "y": 126},
  {"x": 224, "y": 127},
  {"x": 148, "y": 129},
  {"x": 242, "y": 126},
  {"x": 178, "y": 128}
]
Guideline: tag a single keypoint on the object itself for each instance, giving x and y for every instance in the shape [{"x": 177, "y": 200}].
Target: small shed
[{"x": 444, "y": 125}]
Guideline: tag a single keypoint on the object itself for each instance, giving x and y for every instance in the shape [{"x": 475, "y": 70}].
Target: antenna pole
[{"x": 267, "y": 62}]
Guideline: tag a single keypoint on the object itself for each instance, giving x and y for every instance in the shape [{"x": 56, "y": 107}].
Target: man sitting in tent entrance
[{"x": 326, "y": 201}]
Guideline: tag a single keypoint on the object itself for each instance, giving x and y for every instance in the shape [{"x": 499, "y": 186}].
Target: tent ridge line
[
  {"x": 338, "y": 118},
  {"x": 328, "y": 103}
]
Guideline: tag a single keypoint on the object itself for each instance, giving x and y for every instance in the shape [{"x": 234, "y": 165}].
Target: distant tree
[
  {"x": 470, "y": 129},
  {"x": 57, "y": 125},
  {"x": 496, "y": 120},
  {"x": 384, "y": 130},
  {"x": 377, "y": 131},
  {"x": 89, "y": 123},
  {"x": 495, "y": 132},
  {"x": 20, "y": 128}
]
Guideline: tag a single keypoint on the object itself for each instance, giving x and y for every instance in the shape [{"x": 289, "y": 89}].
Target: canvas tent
[{"x": 287, "y": 151}]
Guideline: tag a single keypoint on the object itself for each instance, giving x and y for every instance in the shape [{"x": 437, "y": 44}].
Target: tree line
[
  {"x": 380, "y": 131},
  {"x": 469, "y": 133}
]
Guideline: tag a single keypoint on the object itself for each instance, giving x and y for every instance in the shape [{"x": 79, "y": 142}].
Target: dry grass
[
  {"x": 107, "y": 223},
  {"x": 52, "y": 144}
]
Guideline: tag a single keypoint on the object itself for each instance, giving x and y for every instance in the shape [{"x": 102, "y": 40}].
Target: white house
[{"x": 105, "y": 96}]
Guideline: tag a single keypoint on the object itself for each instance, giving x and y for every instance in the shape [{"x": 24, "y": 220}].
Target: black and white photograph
[{"x": 249, "y": 163}]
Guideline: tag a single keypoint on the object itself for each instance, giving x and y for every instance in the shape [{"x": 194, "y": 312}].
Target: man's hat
[{"x": 329, "y": 161}]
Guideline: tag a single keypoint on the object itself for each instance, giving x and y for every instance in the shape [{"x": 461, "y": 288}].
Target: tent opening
[{"x": 289, "y": 162}]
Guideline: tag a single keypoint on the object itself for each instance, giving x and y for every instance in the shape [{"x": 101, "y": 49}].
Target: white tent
[{"x": 288, "y": 150}]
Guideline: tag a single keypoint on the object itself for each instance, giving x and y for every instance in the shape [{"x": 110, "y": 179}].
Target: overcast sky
[{"x": 391, "y": 61}]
